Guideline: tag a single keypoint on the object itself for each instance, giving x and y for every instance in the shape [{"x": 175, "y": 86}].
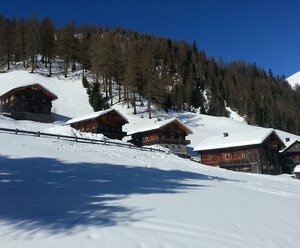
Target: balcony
[{"x": 166, "y": 141}]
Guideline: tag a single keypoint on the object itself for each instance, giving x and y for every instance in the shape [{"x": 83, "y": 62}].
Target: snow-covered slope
[
  {"x": 73, "y": 102},
  {"x": 294, "y": 79},
  {"x": 72, "y": 98},
  {"x": 56, "y": 193}
]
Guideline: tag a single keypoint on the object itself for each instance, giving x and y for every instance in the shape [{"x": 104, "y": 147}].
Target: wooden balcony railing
[{"x": 166, "y": 141}]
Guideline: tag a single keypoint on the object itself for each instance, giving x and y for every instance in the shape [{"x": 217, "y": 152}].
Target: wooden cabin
[
  {"x": 170, "y": 134},
  {"x": 290, "y": 156},
  {"x": 254, "y": 151},
  {"x": 31, "y": 102},
  {"x": 107, "y": 122}
]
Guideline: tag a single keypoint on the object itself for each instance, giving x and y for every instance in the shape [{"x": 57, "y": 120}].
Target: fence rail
[{"x": 80, "y": 139}]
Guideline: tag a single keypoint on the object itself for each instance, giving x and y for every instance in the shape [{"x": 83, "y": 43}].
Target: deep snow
[{"x": 56, "y": 193}]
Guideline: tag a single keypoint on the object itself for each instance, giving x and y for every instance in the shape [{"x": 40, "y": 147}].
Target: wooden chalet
[
  {"x": 290, "y": 156},
  {"x": 254, "y": 151},
  {"x": 169, "y": 133},
  {"x": 31, "y": 102},
  {"x": 107, "y": 122}
]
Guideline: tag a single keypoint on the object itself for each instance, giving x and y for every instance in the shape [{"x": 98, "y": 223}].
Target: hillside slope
[
  {"x": 73, "y": 102},
  {"x": 57, "y": 193},
  {"x": 72, "y": 98}
]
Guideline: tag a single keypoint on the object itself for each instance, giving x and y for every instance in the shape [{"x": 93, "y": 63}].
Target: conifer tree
[
  {"x": 67, "y": 47},
  {"x": 47, "y": 42},
  {"x": 32, "y": 41}
]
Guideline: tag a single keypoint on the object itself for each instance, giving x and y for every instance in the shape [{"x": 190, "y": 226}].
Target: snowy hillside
[
  {"x": 73, "y": 102},
  {"x": 58, "y": 193},
  {"x": 72, "y": 98},
  {"x": 294, "y": 79}
]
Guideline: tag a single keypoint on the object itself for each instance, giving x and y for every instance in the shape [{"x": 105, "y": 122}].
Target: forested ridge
[{"x": 169, "y": 74}]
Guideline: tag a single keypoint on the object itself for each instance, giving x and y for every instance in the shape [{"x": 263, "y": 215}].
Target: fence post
[
  {"x": 38, "y": 134},
  {"x": 58, "y": 136},
  {"x": 16, "y": 131},
  {"x": 75, "y": 138}
]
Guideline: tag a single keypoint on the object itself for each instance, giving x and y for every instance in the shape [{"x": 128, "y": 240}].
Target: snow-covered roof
[
  {"x": 289, "y": 144},
  {"x": 297, "y": 168},
  {"x": 234, "y": 140},
  {"x": 158, "y": 125},
  {"x": 29, "y": 85},
  {"x": 94, "y": 115}
]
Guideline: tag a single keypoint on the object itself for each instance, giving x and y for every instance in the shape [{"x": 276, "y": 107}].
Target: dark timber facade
[
  {"x": 32, "y": 102},
  {"x": 172, "y": 135},
  {"x": 261, "y": 158},
  {"x": 107, "y": 122},
  {"x": 290, "y": 157}
]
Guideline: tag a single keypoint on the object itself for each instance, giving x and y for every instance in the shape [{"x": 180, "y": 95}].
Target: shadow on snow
[{"x": 44, "y": 193}]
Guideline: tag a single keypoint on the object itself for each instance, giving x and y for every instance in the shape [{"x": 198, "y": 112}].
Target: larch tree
[
  {"x": 32, "y": 41},
  {"x": 47, "y": 42}
]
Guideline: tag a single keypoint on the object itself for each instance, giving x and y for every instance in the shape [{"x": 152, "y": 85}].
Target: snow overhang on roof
[
  {"x": 234, "y": 140},
  {"x": 95, "y": 115},
  {"x": 54, "y": 96},
  {"x": 297, "y": 168},
  {"x": 159, "y": 125},
  {"x": 289, "y": 144}
]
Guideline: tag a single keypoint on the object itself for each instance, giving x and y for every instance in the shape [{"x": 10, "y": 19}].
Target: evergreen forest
[{"x": 167, "y": 73}]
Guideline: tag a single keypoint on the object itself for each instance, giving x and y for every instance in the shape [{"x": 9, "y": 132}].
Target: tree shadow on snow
[{"x": 48, "y": 194}]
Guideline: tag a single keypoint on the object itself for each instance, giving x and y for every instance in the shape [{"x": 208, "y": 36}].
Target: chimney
[
  {"x": 287, "y": 139},
  {"x": 225, "y": 134}
]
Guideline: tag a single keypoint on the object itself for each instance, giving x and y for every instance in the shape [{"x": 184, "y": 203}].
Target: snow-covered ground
[
  {"x": 72, "y": 98},
  {"x": 58, "y": 193}
]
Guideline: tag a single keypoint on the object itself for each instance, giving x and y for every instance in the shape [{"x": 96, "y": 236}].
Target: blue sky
[{"x": 266, "y": 32}]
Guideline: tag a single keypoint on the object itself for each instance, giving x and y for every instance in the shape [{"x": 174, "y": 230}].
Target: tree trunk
[
  {"x": 110, "y": 90},
  {"x": 149, "y": 109},
  {"x": 120, "y": 92},
  {"x": 66, "y": 69},
  {"x": 32, "y": 64},
  {"x": 133, "y": 103},
  {"x": 50, "y": 67},
  {"x": 106, "y": 87},
  {"x": 8, "y": 61}
]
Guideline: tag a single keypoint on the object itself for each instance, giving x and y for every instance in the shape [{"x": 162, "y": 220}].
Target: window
[
  {"x": 226, "y": 156},
  {"x": 179, "y": 147},
  {"x": 244, "y": 155},
  {"x": 167, "y": 146},
  {"x": 173, "y": 147}
]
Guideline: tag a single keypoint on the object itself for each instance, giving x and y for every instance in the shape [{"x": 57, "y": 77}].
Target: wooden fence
[{"x": 80, "y": 139}]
